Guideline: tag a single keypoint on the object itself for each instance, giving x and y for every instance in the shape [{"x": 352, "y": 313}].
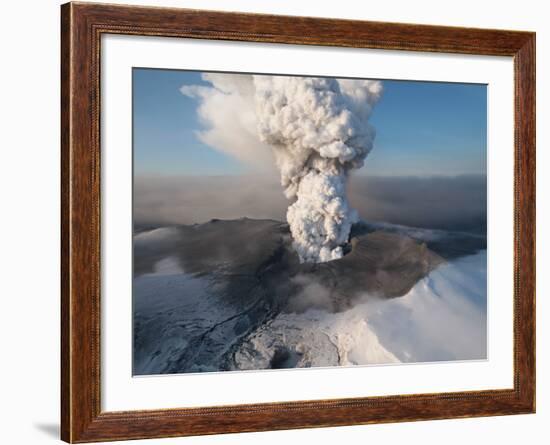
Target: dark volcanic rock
[
  {"x": 379, "y": 263},
  {"x": 244, "y": 254},
  {"x": 236, "y": 247}
]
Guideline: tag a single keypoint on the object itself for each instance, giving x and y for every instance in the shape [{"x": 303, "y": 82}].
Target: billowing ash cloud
[
  {"x": 226, "y": 110},
  {"x": 318, "y": 130}
]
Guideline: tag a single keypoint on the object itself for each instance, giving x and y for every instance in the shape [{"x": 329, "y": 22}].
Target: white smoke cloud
[
  {"x": 227, "y": 112},
  {"x": 318, "y": 130}
]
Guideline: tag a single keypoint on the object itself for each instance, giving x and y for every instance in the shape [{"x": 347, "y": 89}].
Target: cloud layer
[{"x": 457, "y": 203}]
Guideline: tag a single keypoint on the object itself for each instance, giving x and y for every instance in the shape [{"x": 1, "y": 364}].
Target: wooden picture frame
[{"x": 82, "y": 25}]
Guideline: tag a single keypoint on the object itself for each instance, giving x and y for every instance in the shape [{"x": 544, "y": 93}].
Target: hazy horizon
[{"x": 448, "y": 203}]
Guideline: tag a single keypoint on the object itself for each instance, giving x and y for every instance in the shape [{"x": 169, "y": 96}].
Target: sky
[{"x": 423, "y": 129}]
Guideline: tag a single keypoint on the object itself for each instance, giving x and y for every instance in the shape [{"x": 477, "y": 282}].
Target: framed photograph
[{"x": 275, "y": 222}]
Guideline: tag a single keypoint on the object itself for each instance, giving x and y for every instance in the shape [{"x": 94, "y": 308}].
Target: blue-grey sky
[{"x": 423, "y": 129}]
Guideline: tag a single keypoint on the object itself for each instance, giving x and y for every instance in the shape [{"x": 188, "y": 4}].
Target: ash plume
[{"x": 319, "y": 131}]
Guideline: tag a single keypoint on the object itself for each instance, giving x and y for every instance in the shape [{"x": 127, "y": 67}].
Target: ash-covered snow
[{"x": 232, "y": 295}]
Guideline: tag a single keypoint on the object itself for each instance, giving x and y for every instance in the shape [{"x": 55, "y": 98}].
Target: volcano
[{"x": 233, "y": 295}]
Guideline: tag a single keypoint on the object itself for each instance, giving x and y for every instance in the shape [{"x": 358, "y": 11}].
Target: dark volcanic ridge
[
  {"x": 254, "y": 274},
  {"x": 383, "y": 260},
  {"x": 379, "y": 262}
]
